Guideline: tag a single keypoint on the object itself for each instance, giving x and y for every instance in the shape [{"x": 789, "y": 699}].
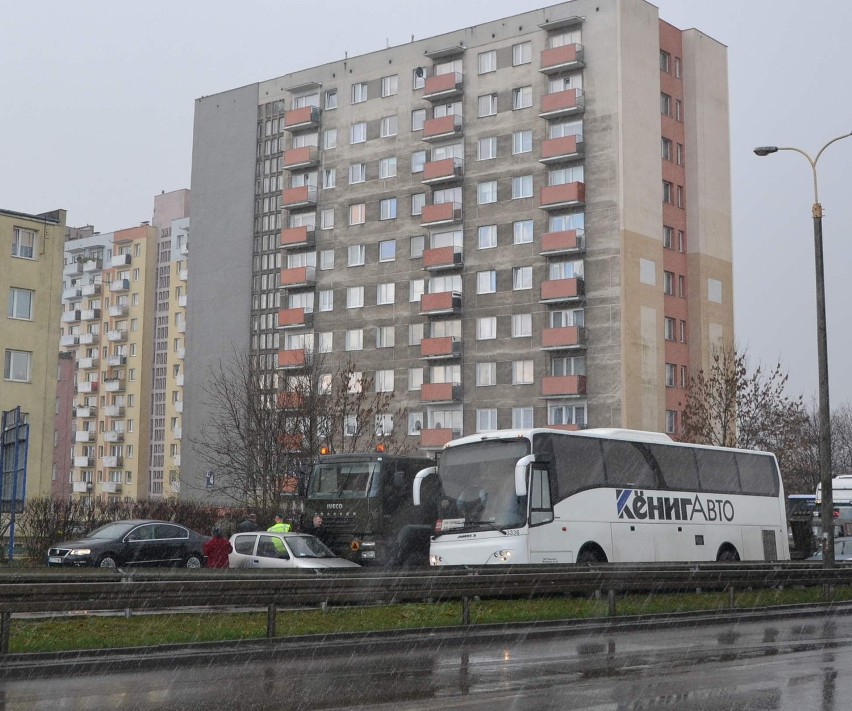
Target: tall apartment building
[
  {"x": 30, "y": 280},
  {"x": 521, "y": 223}
]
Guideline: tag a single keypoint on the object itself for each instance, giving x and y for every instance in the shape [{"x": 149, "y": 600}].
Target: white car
[{"x": 262, "y": 549}]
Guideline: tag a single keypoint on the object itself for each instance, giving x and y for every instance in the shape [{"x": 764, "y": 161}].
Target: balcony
[
  {"x": 117, "y": 310},
  {"x": 112, "y": 462},
  {"x": 298, "y": 277},
  {"x": 183, "y": 275},
  {"x": 73, "y": 268},
  {"x": 179, "y": 380},
  {"x": 300, "y": 119},
  {"x": 562, "y": 59},
  {"x": 439, "y": 129},
  {"x": 87, "y": 386},
  {"x": 93, "y": 265},
  {"x": 562, "y": 103},
  {"x": 182, "y": 301},
  {"x": 561, "y": 150},
  {"x": 563, "y": 385},
  {"x": 178, "y": 405},
  {"x": 111, "y": 487},
  {"x": 293, "y": 359},
  {"x": 441, "y": 214},
  {"x": 69, "y": 340},
  {"x": 87, "y": 363},
  {"x": 443, "y": 86},
  {"x": 176, "y": 460},
  {"x": 113, "y": 410},
  {"x": 290, "y": 400},
  {"x": 183, "y": 249},
  {"x": 440, "y": 348},
  {"x": 114, "y": 361},
  {"x": 295, "y": 198},
  {"x": 118, "y": 335},
  {"x": 292, "y": 441},
  {"x": 558, "y": 197},
  {"x": 448, "y": 170},
  {"x": 180, "y": 353},
  {"x": 436, "y": 438},
  {"x": 565, "y": 242},
  {"x": 440, "y": 392},
  {"x": 555, "y": 291},
  {"x": 119, "y": 260},
  {"x": 90, "y": 315},
  {"x": 83, "y": 436},
  {"x": 566, "y": 428},
  {"x": 444, "y": 302},
  {"x": 119, "y": 285},
  {"x": 298, "y": 237},
  {"x": 295, "y": 318},
  {"x": 89, "y": 339},
  {"x": 72, "y": 293},
  {"x": 114, "y": 436},
  {"x": 91, "y": 289},
  {"x": 70, "y": 316},
  {"x": 439, "y": 258},
  {"x": 180, "y": 326},
  {"x": 114, "y": 385},
  {"x": 83, "y": 462},
  {"x": 85, "y": 413},
  {"x": 563, "y": 338},
  {"x": 299, "y": 158},
  {"x": 81, "y": 487},
  {"x": 177, "y": 433}
]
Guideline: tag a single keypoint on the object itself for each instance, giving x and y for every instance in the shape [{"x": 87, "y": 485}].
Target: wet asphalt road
[{"x": 800, "y": 664}]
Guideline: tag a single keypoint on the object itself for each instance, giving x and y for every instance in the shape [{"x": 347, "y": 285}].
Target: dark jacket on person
[{"x": 247, "y": 526}]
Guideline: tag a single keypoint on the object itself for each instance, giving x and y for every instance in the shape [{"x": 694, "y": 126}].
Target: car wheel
[
  {"x": 106, "y": 561},
  {"x": 193, "y": 561}
]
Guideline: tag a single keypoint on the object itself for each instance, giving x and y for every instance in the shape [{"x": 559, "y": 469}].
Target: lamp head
[{"x": 765, "y": 150}]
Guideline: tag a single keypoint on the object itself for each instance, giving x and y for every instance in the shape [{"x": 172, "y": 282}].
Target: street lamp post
[{"x": 827, "y": 506}]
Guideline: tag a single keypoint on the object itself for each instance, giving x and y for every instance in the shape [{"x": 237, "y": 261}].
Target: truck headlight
[
  {"x": 503, "y": 556},
  {"x": 435, "y": 560}
]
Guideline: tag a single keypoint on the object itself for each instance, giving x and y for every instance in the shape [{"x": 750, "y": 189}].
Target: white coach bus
[{"x": 606, "y": 495}]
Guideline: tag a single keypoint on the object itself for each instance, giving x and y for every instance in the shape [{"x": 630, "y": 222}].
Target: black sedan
[{"x": 132, "y": 543}]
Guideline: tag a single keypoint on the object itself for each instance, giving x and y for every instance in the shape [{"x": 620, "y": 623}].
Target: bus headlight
[
  {"x": 435, "y": 560},
  {"x": 503, "y": 556}
]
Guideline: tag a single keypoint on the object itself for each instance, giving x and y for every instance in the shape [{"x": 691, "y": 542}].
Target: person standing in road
[
  {"x": 279, "y": 526},
  {"x": 249, "y": 525},
  {"x": 217, "y": 549}
]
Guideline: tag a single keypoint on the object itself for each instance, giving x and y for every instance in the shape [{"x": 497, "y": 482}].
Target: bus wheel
[
  {"x": 727, "y": 554},
  {"x": 591, "y": 554}
]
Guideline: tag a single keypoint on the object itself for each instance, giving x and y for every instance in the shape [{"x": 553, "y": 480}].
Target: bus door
[{"x": 544, "y": 540}]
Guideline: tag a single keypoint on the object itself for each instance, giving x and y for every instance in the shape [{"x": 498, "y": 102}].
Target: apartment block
[
  {"x": 30, "y": 279},
  {"x": 522, "y": 223}
]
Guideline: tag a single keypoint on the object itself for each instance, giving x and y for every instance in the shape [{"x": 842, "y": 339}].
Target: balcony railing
[
  {"x": 298, "y": 277},
  {"x": 70, "y": 316},
  {"x": 113, "y": 410},
  {"x": 557, "y": 197},
  {"x": 83, "y": 436},
  {"x": 300, "y": 119},
  {"x": 69, "y": 340},
  {"x": 119, "y": 285},
  {"x": 87, "y": 363},
  {"x": 87, "y": 386},
  {"x": 177, "y": 433},
  {"x": 558, "y": 290},
  {"x": 93, "y": 265},
  {"x": 444, "y": 302},
  {"x": 438, "y": 258},
  {"x": 290, "y": 400},
  {"x": 73, "y": 268},
  {"x": 297, "y": 237},
  {"x": 447, "y": 170},
  {"x": 436, "y": 438},
  {"x": 114, "y": 361},
  {"x": 438, "y": 129},
  {"x": 111, "y": 487},
  {"x": 440, "y": 392},
  {"x": 295, "y": 318},
  {"x": 118, "y": 310},
  {"x": 179, "y": 380},
  {"x": 91, "y": 289},
  {"x": 562, "y": 103},
  {"x": 113, "y": 462},
  {"x": 114, "y": 385},
  {"x": 443, "y": 86},
  {"x": 176, "y": 460},
  {"x": 84, "y": 462},
  {"x": 114, "y": 436},
  {"x": 566, "y": 242},
  {"x": 89, "y": 339},
  {"x": 119, "y": 260},
  {"x": 561, "y": 59},
  {"x": 297, "y": 358},
  {"x": 180, "y": 353},
  {"x": 72, "y": 293},
  {"x": 439, "y": 348},
  {"x": 85, "y": 413},
  {"x": 441, "y": 214},
  {"x": 561, "y": 150},
  {"x": 304, "y": 196},
  {"x": 563, "y": 338},
  {"x": 118, "y": 335},
  {"x": 563, "y": 385},
  {"x": 178, "y": 405},
  {"x": 182, "y": 301},
  {"x": 90, "y": 315},
  {"x": 299, "y": 158}
]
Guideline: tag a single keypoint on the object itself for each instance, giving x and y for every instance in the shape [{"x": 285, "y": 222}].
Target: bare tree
[{"x": 841, "y": 439}]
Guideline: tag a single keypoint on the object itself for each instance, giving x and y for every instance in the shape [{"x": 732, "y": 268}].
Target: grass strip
[{"x": 82, "y": 632}]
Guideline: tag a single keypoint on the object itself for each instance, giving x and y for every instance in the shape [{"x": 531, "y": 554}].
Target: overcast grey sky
[{"x": 97, "y": 100}]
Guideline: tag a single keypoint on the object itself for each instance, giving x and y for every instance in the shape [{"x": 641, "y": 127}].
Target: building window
[
  {"x": 665, "y": 105},
  {"x": 418, "y": 78},
  {"x": 671, "y": 422},
  {"x": 669, "y": 329},
  {"x": 567, "y": 415},
  {"x": 521, "y": 98},
  {"x": 357, "y": 214},
  {"x": 23, "y": 243},
  {"x": 331, "y": 99},
  {"x": 486, "y": 282},
  {"x": 354, "y": 297},
  {"x": 416, "y": 289},
  {"x": 681, "y": 286},
  {"x": 668, "y": 237},
  {"x": 487, "y": 148},
  {"x": 16, "y": 366},
  {"x": 487, "y": 105},
  {"x": 327, "y": 219},
  {"x": 357, "y": 173},
  {"x": 679, "y": 154},
  {"x": 522, "y": 186},
  {"x": 390, "y": 85},
  {"x": 357, "y": 255},
  {"x": 358, "y": 132},
  {"x": 415, "y": 334},
  {"x": 486, "y": 328},
  {"x": 681, "y": 241},
  {"x": 418, "y": 200},
  {"x": 487, "y": 61},
  {"x": 521, "y": 278},
  {"x": 21, "y": 304},
  {"x": 486, "y": 192},
  {"x": 665, "y": 59},
  {"x": 418, "y": 118},
  {"x": 487, "y": 236},
  {"x": 668, "y": 192},
  {"x": 387, "y": 209},
  {"x": 354, "y": 339},
  {"x": 668, "y": 283},
  {"x": 418, "y": 160},
  {"x": 387, "y": 167},
  {"x": 684, "y": 378},
  {"x": 486, "y": 420},
  {"x": 359, "y": 92},
  {"x": 521, "y": 53},
  {"x": 680, "y": 198},
  {"x": 670, "y": 375},
  {"x": 666, "y": 145},
  {"x": 521, "y": 325},
  {"x": 385, "y": 337},
  {"x": 522, "y": 418},
  {"x": 521, "y": 142},
  {"x": 387, "y": 248},
  {"x": 326, "y": 300},
  {"x": 678, "y": 110},
  {"x": 416, "y": 245},
  {"x": 683, "y": 331},
  {"x": 385, "y": 294},
  {"x": 326, "y": 259},
  {"x": 329, "y": 178},
  {"x": 388, "y": 126},
  {"x": 384, "y": 381},
  {"x": 486, "y": 374},
  {"x": 522, "y": 372},
  {"x": 522, "y": 231}
]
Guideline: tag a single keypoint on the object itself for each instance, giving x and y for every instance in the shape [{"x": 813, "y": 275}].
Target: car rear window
[{"x": 244, "y": 544}]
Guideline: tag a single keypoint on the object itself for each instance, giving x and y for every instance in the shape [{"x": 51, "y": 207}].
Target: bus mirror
[
  {"x": 521, "y": 474},
  {"x": 418, "y": 480}
]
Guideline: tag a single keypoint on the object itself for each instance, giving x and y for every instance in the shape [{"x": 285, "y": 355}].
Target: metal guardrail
[{"x": 152, "y": 589}]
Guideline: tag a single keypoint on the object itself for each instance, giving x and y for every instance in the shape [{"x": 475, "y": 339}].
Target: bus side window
[{"x": 541, "y": 508}]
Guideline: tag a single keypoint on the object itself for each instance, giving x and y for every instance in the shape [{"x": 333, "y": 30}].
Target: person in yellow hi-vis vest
[{"x": 279, "y": 527}]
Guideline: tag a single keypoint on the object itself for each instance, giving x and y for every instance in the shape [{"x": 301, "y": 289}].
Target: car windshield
[
  {"x": 112, "y": 530},
  {"x": 341, "y": 480},
  {"x": 308, "y": 547}
]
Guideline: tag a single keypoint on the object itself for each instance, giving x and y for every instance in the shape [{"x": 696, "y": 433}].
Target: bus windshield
[
  {"x": 478, "y": 486},
  {"x": 341, "y": 480}
]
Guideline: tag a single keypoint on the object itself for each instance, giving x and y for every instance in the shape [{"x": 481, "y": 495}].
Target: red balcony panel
[
  {"x": 304, "y": 117},
  {"x": 561, "y": 289},
  {"x": 441, "y": 86},
  {"x": 297, "y": 236},
  {"x": 442, "y": 302},
  {"x": 442, "y": 213},
  {"x": 441, "y": 258},
  {"x": 292, "y": 359},
  {"x": 299, "y": 197},
  {"x": 304, "y": 157},
  {"x": 291, "y": 318},
  {"x": 435, "y": 438},
  {"x": 440, "y": 392},
  {"x": 298, "y": 276},
  {"x": 564, "y": 337},
  {"x": 291, "y": 442},
  {"x": 562, "y": 103},
  {"x": 567, "y": 428},
  {"x": 561, "y": 58},
  {"x": 445, "y": 347},
  {"x": 566, "y": 241},
  {"x": 555, "y": 385},
  {"x": 441, "y": 127},
  {"x": 290, "y": 400},
  {"x": 555, "y": 149},
  {"x": 565, "y": 195},
  {"x": 442, "y": 170}
]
